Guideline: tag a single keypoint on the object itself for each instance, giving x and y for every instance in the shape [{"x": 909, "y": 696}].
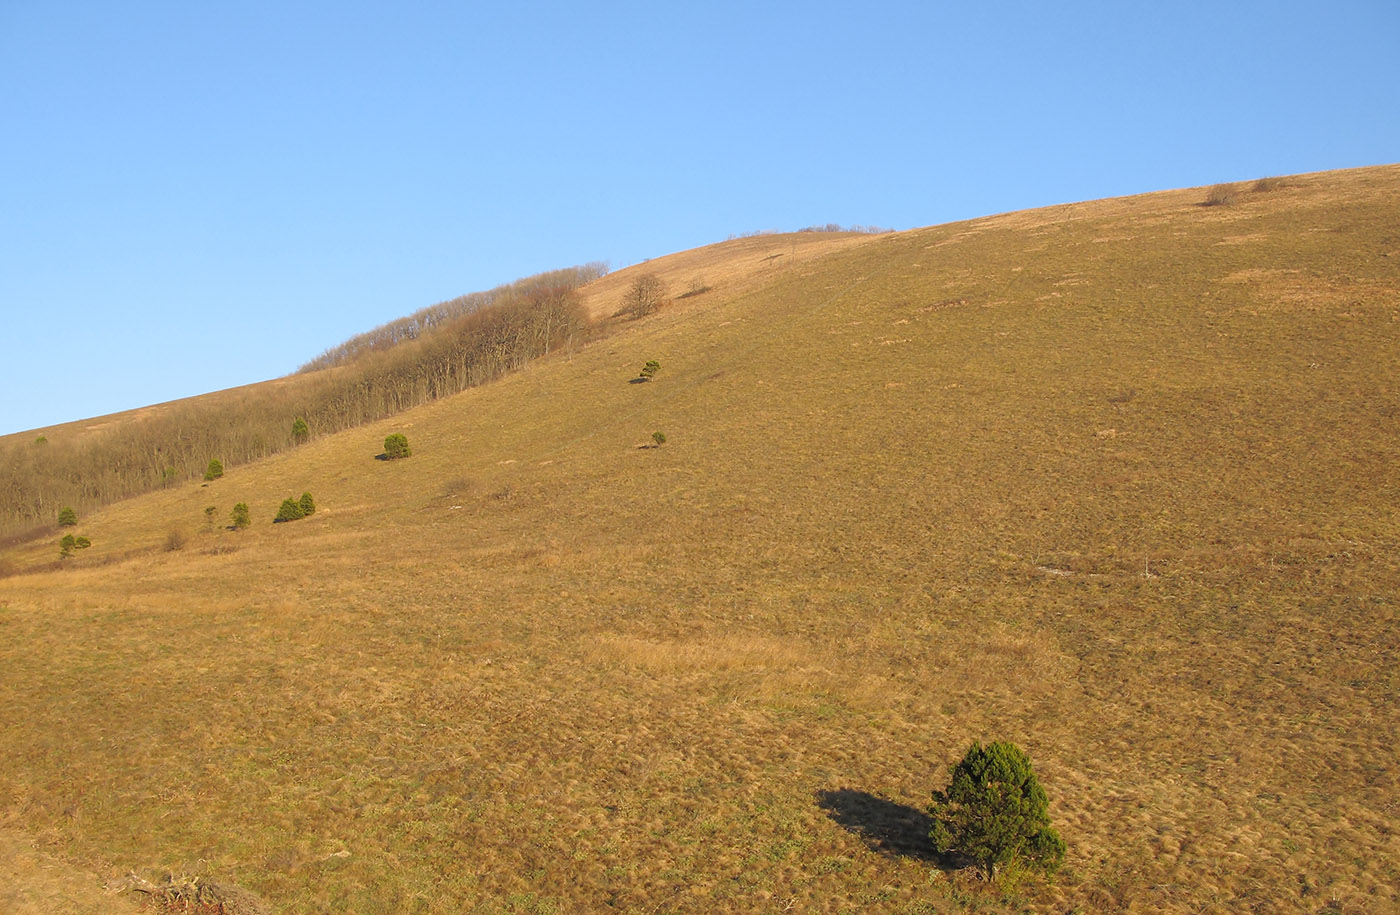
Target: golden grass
[
  {"x": 1123, "y": 502},
  {"x": 723, "y": 270}
]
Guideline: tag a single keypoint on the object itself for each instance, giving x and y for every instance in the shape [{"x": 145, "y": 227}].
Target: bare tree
[{"x": 643, "y": 297}]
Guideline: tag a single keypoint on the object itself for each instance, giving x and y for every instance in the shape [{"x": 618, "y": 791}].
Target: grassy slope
[{"x": 1114, "y": 481}]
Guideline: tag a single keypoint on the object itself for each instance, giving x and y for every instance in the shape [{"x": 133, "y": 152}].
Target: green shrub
[
  {"x": 994, "y": 811},
  {"x": 66, "y": 546},
  {"x": 290, "y": 511},
  {"x": 396, "y": 446},
  {"x": 307, "y": 505},
  {"x": 659, "y": 438},
  {"x": 209, "y": 512},
  {"x": 67, "y": 517},
  {"x": 241, "y": 517},
  {"x": 214, "y": 470},
  {"x": 650, "y": 369},
  {"x": 81, "y": 543},
  {"x": 300, "y": 431}
]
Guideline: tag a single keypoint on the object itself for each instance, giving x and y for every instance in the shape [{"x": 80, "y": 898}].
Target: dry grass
[
  {"x": 726, "y": 269},
  {"x": 904, "y": 504}
]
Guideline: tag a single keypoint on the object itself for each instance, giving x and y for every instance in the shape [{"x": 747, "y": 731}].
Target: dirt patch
[{"x": 33, "y": 882}]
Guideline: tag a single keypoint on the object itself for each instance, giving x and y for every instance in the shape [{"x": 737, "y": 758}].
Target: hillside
[{"x": 1112, "y": 480}]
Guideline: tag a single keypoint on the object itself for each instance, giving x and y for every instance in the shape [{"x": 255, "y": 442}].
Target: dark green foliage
[
  {"x": 307, "y": 505},
  {"x": 81, "y": 543},
  {"x": 659, "y": 438},
  {"x": 214, "y": 470},
  {"x": 290, "y": 511},
  {"x": 396, "y": 446},
  {"x": 209, "y": 513},
  {"x": 241, "y": 516},
  {"x": 300, "y": 430},
  {"x": 67, "y": 517},
  {"x": 994, "y": 811},
  {"x": 650, "y": 369},
  {"x": 42, "y": 440},
  {"x": 66, "y": 545}
]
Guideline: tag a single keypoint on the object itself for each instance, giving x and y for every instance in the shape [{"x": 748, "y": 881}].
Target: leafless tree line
[
  {"x": 363, "y": 382},
  {"x": 425, "y": 320}
]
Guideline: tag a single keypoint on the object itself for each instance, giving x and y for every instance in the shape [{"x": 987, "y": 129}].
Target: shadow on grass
[{"x": 889, "y": 828}]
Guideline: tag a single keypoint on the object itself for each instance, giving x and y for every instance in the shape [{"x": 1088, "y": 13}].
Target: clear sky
[{"x": 195, "y": 195}]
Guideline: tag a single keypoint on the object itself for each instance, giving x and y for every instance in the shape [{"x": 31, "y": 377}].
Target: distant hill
[{"x": 1114, "y": 481}]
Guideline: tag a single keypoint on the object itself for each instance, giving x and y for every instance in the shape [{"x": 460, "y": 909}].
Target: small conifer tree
[
  {"x": 81, "y": 543},
  {"x": 396, "y": 446},
  {"x": 214, "y": 470},
  {"x": 67, "y": 517},
  {"x": 66, "y": 546},
  {"x": 994, "y": 811},
  {"x": 659, "y": 438},
  {"x": 209, "y": 512},
  {"x": 290, "y": 511},
  {"x": 650, "y": 369},
  {"x": 241, "y": 516},
  {"x": 300, "y": 431},
  {"x": 307, "y": 505}
]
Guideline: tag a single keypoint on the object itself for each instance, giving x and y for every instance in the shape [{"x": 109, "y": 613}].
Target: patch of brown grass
[{"x": 597, "y": 677}]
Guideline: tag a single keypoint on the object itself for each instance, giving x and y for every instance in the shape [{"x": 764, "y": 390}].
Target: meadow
[{"x": 1113, "y": 480}]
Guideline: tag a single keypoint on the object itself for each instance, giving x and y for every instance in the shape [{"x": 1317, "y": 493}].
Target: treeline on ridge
[
  {"x": 436, "y": 352},
  {"x": 424, "y": 320}
]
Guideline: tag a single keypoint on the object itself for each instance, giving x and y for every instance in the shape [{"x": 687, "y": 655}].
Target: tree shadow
[{"x": 887, "y": 827}]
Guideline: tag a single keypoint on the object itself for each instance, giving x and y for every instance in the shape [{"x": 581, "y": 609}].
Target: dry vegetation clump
[
  {"x": 170, "y": 892},
  {"x": 697, "y": 286},
  {"x": 1264, "y": 185},
  {"x": 1222, "y": 195},
  {"x": 644, "y": 296},
  {"x": 896, "y": 527}
]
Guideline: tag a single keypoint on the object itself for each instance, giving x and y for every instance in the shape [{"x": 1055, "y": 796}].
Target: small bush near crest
[{"x": 1222, "y": 195}]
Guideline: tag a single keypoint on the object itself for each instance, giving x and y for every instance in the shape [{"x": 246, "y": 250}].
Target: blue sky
[{"x": 195, "y": 196}]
